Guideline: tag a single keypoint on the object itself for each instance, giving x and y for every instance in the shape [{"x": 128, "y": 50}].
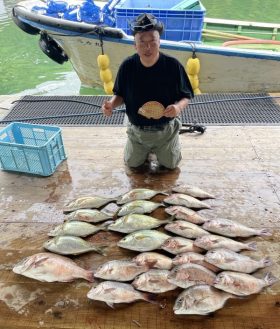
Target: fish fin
[
  {"x": 270, "y": 279},
  {"x": 266, "y": 262},
  {"x": 252, "y": 245},
  {"x": 151, "y": 263},
  {"x": 38, "y": 262},
  {"x": 265, "y": 232},
  {"x": 110, "y": 305}
]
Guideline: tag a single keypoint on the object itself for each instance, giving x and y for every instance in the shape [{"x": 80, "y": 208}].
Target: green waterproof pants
[{"x": 164, "y": 143}]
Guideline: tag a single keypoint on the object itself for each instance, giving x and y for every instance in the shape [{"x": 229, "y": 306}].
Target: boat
[
  {"x": 254, "y": 44},
  {"x": 222, "y": 70},
  {"x": 215, "y": 28}
]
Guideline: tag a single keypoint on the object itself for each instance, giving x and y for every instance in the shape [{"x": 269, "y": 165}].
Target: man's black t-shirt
[{"x": 165, "y": 82}]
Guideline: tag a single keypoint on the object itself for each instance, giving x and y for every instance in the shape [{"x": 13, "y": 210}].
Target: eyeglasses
[{"x": 139, "y": 28}]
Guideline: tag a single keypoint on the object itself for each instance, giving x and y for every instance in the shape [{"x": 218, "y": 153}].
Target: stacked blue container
[{"x": 183, "y": 20}]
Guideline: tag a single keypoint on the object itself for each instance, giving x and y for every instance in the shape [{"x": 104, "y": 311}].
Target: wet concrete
[{"x": 239, "y": 165}]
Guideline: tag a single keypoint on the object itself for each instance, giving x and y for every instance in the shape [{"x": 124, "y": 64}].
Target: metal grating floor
[
  {"x": 233, "y": 109},
  {"x": 207, "y": 109},
  {"x": 64, "y": 110}
]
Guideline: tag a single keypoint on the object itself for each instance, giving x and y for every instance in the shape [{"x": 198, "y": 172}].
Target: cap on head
[{"x": 146, "y": 22}]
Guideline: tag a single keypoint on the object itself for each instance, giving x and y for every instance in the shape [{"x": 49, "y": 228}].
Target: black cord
[{"x": 55, "y": 100}]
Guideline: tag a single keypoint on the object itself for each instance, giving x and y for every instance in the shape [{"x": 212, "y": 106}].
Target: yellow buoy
[
  {"x": 103, "y": 61},
  {"x": 192, "y": 68},
  {"x": 193, "y": 65},
  {"x": 197, "y": 91},
  {"x": 106, "y": 75},
  {"x": 108, "y": 87},
  {"x": 194, "y": 81}
]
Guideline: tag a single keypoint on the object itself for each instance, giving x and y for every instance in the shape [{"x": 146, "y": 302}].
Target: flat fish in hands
[
  {"x": 176, "y": 245},
  {"x": 138, "y": 207},
  {"x": 87, "y": 202},
  {"x": 119, "y": 270},
  {"x": 135, "y": 222},
  {"x": 231, "y": 228},
  {"x": 212, "y": 241},
  {"x": 242, "y": 284},
  {"x": 49, "y": 267},
  {"x": 112, "y": 292},
  {"x": 187, "y": 275},
  {"x": 153, "y": 281},
  {"x": 179, "y": 199},
  {"x": 184, "y": 213},
  {"x": 194, "y": 258},
  {"x": 144, "y": 240},
  {"x": 193, "y": 191},
  {"x": 152, "y": 110},
  {"x": 229, "y": 260},
  {"x": 76, "y": 228},
  {"x": 71, "y": 245},
  {"x": 153, "y": 260},
  {"x": 138, "y": 194},
  {"x": 185, "y": 229},
  {"x": 201, "y": 300},
  {"x": 90, "y": 215}
]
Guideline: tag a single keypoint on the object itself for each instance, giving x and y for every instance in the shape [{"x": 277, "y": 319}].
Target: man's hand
[
  {"x": 107, "y": 108},
  {"x": 172, "y": 111}
]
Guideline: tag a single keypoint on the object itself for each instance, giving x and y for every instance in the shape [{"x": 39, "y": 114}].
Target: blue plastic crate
[
  {"x": 178, "y": 24},
  {"x": 31, "y": 148}
]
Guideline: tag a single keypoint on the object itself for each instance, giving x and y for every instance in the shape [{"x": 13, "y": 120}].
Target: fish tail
[
  {"x": 168, "y": 220},
  {"x": 205, "y": 205},
  {"x": 104, "y": 226},
  {"x": 265, "y": 232},
  {"x": 270, "y": 279},
  {"x": 89, "y": 276},
  {"x": 208, "y": 196},
  {"x": 100, "y": 250},
  {"x": 150, "y": 298},
  {"x": 115, "y": 214},
  {"x": 265, "y": 262},
  {"x": 251, "y": 246}
]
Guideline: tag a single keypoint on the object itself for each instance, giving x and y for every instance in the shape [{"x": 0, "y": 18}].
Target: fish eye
[{"x": 180, "y": 301}]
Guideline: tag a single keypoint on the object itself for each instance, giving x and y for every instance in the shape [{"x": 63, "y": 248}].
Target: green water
[
  {"x": 25, "y": 70},
  {"x": 249, "y": 10}
]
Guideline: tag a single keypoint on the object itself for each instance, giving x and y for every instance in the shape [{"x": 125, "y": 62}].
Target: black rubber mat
[
  {"x": 206, "y": 109},
  {"x": 233, "y": 109},
  {"x": 64, "y": 110}
]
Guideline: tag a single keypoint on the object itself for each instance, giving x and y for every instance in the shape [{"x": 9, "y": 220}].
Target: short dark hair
[{"x": 146, "y": 22}]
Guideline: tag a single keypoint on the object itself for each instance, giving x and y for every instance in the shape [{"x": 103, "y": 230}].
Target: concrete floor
[{"x": 240, "y": 165}]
